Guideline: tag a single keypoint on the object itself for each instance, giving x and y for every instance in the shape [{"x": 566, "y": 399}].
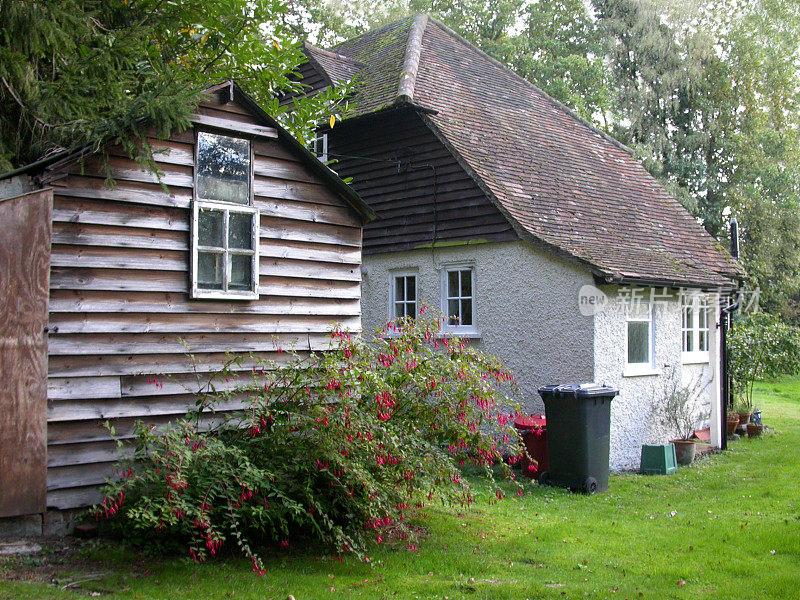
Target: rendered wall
[
  {"x": 633, "y": 418},
  {"x": 526, "y": 308}
]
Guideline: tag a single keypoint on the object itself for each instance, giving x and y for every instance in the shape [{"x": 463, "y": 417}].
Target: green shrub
[
  {"x": 338, "y": 446},
  {"x": 760, "y": 346}
]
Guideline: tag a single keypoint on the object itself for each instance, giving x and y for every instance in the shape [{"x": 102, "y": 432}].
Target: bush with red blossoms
[{"x": 339, "y": 446}]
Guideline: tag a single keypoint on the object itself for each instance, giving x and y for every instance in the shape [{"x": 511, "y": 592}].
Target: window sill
[
  {"x": 695, "y": 358},
  {"x": 470, "y": 335},
  {"x": 640, "y": 371}
]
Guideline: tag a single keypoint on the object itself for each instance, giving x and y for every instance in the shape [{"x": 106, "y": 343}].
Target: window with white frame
[
  {"x": 224, "y": 222},
  {"x": 639, "y": 337},
  {"x": 458, "y": 298},
  {"x": 694, "y": 327},
  {"x": 319, "y": 146},
  {"x": 403, "y": 295}
]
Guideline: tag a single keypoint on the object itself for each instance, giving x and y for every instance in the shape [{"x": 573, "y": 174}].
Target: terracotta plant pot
[
  {"x": 684, "y": 451},
  {"x": 744, "y": 418},
  {"x": 733, "y": 422},
  {"x": 754, "y": 430}
]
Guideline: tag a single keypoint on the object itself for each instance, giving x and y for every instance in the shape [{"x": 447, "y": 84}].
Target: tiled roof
[
  {"x": 559, "y": 180},
  {"x": 338, "y": 68}
]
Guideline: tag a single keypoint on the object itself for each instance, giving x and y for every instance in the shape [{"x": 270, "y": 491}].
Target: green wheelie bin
[{"x": 578, "y": 430}]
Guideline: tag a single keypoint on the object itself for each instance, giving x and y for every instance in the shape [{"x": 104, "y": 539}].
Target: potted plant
[
  {"x": 733, "y": 423},
  {"x": 743, "y": 408},
  {"x": 680, "y": 410}
]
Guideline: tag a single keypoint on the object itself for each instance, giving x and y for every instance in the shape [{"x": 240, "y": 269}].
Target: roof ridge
[
  {"x": 556, "y": 103},
  {"x": 331, "y": 54},
  {"x": 408, "y": 74}
]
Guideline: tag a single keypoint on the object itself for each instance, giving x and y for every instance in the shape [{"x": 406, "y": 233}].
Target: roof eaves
[{"x": 408, "y": 76}]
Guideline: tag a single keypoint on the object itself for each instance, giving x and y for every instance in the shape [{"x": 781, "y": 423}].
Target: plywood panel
[{"x": 24, "y": 283}]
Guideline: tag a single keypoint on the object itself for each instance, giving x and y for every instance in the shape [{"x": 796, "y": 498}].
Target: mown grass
[{"x": 726, "y": 527}]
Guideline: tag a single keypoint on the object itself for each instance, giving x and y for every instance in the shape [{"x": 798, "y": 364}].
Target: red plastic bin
[{"x": 534, "y": 435}]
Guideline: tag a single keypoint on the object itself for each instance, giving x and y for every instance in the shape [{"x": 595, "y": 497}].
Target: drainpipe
[{"x": 726, "y": 398}]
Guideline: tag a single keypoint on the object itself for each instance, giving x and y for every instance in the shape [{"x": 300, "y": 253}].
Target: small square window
[
  {"x": 403, "y": 295},
  {"x": 458, "y": 299}
]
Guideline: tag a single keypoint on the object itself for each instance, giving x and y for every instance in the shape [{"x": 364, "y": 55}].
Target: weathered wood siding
[
  {"x": 419, "y": 190},
  {"x": 24, "y": 273},
  {"x": 119, "y": 302}
]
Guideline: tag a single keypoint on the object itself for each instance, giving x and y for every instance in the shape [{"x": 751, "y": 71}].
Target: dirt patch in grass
[{"x": 66, "y": 563}]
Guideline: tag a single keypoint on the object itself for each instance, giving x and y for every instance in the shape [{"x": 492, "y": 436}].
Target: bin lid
[
  {"x": 532, "y": 422},
  {"x": 580, "y": 390}
]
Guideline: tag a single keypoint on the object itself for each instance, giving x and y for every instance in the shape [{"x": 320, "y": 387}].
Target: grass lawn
[{"x": 727, "y": 527}]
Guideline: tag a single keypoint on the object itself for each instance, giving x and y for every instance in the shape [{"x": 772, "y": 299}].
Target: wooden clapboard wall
[
  {"x": 421, "y": 193},
  {"x": 119, "y": 302}
]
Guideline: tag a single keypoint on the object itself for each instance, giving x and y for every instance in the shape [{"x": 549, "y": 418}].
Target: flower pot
[
  {"x": 754, "y": 430},
  {"x": 684, "y": 451},
  {"x": 744, "y": 417},
  {"x": 733, "y": 422}
]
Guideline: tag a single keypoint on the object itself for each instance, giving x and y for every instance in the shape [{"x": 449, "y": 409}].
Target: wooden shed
[{"x": 248, "y": 244}]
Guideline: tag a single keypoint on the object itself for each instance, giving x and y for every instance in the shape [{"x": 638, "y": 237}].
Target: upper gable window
[
  {"x": 224, "y": 222},
  {"x": 319, "y": 146}
]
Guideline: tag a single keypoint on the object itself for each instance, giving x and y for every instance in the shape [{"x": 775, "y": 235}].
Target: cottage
[
  {"x": 540, "y": 237},
  {"x": 250, "y": 245}
]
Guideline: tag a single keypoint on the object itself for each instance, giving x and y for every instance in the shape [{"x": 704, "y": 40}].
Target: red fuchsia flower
[
  {"x": 193, "y": 554},
  {"x": 519, "y": 492},
  {"x": 411, "y": 547},
  {"x": 411, "y": 365},
  {"x": 533, "y": 468},
  {"x": 379, "y": 539},
  {"x": 284, "y": 543},
  {"x": 333, "y": 384}
]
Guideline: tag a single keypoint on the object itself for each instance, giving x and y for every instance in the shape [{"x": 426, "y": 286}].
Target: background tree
[{"x": 78, "y": 72}]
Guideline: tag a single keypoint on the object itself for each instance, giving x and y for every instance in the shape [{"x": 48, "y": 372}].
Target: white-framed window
[
  {"x": 224, "y": 222},
  {"x": 458, "y": 298},
  {"x": 639, "y": 340},
  {"x": 319, "y": 146},
  {"x": 402, "y": 295},
  {"x": 694, "y": 327}
]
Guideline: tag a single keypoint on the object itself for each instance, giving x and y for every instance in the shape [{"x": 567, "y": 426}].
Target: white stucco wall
[
  {"x": 526, "y": 308},
  {"x": 633, "y": 418},
  {"x": 526, "y": 311}
]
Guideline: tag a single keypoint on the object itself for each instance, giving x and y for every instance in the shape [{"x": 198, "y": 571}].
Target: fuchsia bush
[{"x": 340, "y": 446}]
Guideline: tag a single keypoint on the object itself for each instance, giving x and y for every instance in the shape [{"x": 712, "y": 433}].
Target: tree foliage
[
  {"x": 85, "y": 72},
  {"x": 761, "y": 346}
]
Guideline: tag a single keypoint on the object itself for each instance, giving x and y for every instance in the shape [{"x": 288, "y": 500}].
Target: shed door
[{"x": 25, "y": 228}]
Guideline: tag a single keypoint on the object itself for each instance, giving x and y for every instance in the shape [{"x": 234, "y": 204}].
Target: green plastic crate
[{"x": 658, "y": 459}]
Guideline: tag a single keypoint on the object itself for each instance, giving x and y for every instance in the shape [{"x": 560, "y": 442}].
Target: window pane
[
  {"x": 223, "y": 168},
  {"x": 241, "y": 272},
  {"x": 399, "y": 291},
  {"x": 240, "y": 228},
  {"x": 210, "y": 228},
  {"x": 409, "y": 310},
  {"x": 411, "y": 288},
  {"x": 452, "y": 284},
  {"x": 703, "y": 341},
  {"x": 399, "y": 309},
  {"x": 688, "y": 345},
  {"x": 466, "y": 312},
  {"x": 466, "y": 284},
  {"x": 209, "y": 271},
  {"x": 638, "y": 342},
  {"x": 452, "y": 311}
]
